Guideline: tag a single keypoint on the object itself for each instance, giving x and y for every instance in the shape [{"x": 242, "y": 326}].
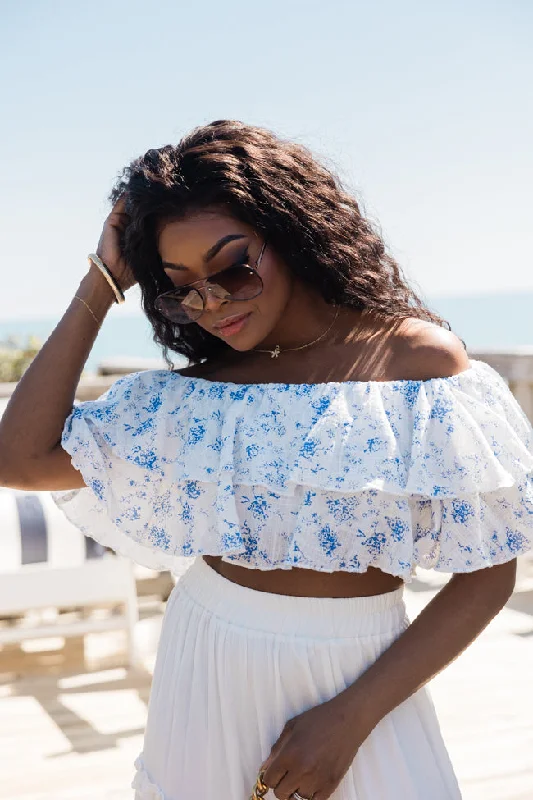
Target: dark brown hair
[{"x": 278, "y": 188}]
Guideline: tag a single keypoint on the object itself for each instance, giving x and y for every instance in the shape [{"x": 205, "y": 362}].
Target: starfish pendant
[{"x": 275, "y": 352}]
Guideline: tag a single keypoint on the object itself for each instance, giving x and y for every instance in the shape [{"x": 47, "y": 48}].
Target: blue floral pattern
[{"x": 326, "y": 476}]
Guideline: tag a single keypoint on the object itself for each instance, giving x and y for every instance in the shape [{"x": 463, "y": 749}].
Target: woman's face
[{"x": 209, "y": 241}]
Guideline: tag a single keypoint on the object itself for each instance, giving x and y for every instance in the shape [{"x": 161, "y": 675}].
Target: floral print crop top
[{"x": 326, "y": 476}]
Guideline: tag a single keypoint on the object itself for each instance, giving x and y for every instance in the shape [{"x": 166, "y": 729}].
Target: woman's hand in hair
[{"x": 110, "y": 245}]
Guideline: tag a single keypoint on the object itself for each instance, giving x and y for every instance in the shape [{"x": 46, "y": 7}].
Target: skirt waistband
[{"x": 314, "y": 617}]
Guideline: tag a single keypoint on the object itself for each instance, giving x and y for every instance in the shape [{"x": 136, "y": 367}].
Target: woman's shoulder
[
  {"x": 422, "y": 350},
  {"x": 409, "y": 349}
]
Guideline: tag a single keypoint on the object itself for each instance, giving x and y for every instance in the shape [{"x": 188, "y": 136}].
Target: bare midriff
[{"x": 298, "y": 582}]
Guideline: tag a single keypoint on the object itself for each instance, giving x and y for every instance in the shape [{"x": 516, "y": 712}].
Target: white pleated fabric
[{"x": 234, "y": 664}]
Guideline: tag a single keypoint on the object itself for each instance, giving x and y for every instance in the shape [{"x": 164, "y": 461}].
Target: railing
[{"x": 91, "y": 387}]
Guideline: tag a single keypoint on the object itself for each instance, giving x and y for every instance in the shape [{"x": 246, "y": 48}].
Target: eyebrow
[{"x": 211, "y": 253}]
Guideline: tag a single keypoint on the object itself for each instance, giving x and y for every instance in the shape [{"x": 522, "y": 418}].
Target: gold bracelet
[
  {"x": 89, "y": 309},
  {"x": 117, "y": 291}
]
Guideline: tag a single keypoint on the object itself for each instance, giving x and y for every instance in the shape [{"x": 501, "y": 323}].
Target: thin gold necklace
[{"x": 277, "y": 350}]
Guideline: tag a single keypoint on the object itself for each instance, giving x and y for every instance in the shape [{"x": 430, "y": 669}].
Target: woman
[{"x": 329, "y": 435}]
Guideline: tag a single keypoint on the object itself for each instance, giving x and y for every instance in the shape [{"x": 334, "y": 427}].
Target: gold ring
[{"x": 260, "y": 788}]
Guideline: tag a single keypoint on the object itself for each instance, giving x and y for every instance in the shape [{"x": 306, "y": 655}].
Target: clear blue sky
[{"x": 425, "y": 110}]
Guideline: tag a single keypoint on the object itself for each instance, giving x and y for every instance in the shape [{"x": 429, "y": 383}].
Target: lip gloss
[{"x": 234, "y": 327}]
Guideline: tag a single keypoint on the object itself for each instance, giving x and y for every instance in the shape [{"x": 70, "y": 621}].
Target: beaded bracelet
[{"x": 117, "y": 291}]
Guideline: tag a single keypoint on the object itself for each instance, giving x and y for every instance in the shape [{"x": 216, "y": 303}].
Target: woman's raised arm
[{"x": 31, "y": 456}]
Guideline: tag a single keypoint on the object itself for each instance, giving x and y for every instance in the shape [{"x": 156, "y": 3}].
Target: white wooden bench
[{"x": 45, "y": 562}]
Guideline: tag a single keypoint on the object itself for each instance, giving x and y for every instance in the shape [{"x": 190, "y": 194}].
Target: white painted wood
[
  {"x": 105, "y": 580},
  {"x": 100, "y": 582},
  {"x": 10, "y": 544},
  {"x": 78, "y": 628}
]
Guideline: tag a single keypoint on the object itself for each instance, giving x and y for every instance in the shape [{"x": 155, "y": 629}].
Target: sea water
[{"x": 120, "y": 336}]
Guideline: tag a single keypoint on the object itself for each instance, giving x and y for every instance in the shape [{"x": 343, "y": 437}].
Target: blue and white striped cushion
[{"x": 34, "y": 531}]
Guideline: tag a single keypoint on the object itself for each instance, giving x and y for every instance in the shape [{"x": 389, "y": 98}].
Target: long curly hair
[{"x": 278, "y": 188}]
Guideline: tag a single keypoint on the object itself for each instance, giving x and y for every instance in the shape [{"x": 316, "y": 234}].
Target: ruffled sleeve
[
  {"x": 471, "y": 473},
  {"x": 125, "y": 478}
]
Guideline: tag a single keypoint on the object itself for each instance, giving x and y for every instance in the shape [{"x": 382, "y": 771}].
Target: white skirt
[{"x": 234, "y": 664}]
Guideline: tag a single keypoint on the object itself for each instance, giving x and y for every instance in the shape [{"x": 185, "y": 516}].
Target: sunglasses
[{"x": 186, "y": 304}]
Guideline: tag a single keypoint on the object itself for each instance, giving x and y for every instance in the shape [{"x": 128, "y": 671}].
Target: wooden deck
[{"x": 71, "y": 734}]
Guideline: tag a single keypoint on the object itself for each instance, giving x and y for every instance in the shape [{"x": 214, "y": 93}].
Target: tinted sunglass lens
[
  {"x": 180, "y": 309},
  {"x": 240, "y": 282}
]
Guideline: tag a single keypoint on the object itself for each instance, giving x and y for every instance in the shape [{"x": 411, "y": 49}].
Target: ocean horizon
[{"x": 482, "y": 321}]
